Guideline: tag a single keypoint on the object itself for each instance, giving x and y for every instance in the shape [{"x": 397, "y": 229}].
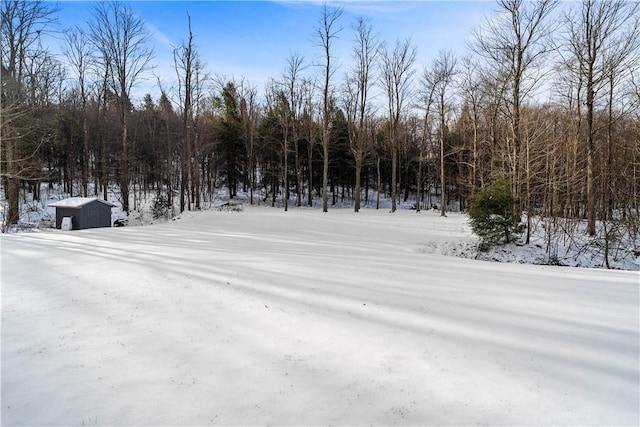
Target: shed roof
[{"x": 78, "y": 202}]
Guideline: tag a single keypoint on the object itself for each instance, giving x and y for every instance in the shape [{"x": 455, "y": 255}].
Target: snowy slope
[{"x": 265, "y": 317}]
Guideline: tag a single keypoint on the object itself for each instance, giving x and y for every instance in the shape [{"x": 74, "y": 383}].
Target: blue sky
[{"x": 253, "y": 39}]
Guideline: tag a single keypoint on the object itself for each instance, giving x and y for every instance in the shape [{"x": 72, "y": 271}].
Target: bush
[
  {"x": 491, "y": 213},
  {"x": 161, "y": 207}
]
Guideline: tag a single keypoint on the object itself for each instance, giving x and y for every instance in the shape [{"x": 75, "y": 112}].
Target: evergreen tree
[
  {"x": 231, "y": 147},
  {"x": 491, "y": 213}
]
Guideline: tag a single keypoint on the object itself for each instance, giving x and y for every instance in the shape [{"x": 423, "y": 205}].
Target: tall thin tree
[
  {"x": 189, "y": 68},
  {"x": 358, "y": 89},
  {"x": 122, "y": 40},
  {"x": 326, "y": 33},
  {"x": 516, "y": 41},
  {"x": 397, "y": 74},
  {"x": 291, "y": 81},
  {"x": 444, "y": 70},
  {"x": 78, "y": 53},
  {"x": 601, "y": 36},
  {"x": 23, "y": 25}
]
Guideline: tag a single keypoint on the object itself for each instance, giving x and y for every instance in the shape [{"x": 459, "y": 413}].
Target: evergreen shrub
[
  {"x": 161, "y": 207},
  {"x": 491, "y": 213}
]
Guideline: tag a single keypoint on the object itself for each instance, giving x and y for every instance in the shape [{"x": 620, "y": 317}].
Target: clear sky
[{"x": 253, "y": 39}]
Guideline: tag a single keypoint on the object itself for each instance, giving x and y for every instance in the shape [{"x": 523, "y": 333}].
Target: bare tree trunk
[
  {"x": 379, "y": 183},
  {"x": 298, "y": 166},
  {"x": 326, "y": 33},
  {"x": 120, "y": 36},
  {"x": 124, "y": 164},
  {"x": 357, "y": 189},
  {"x": 443, "y": 201},
  {"x": 591, "y": 206},
  {"x": 103, "y": 164},
  {"x": 196, "y": 169},
  {"x": 607, "y": 194},
  {"x": 285, "y": 150},
  {"x": 419, "y": 179},
  {"x": 13, "y": 181},
  {"x": 310, "y": 167},
  {"x": 528, "y": 189},
  {"x": 85, "y": 152},
  {"x": 396, "y": 78},
  {"x": 601, "y": 38},
  {"x": 169, "y": 163},
  {"x": 358, "y": 84},
  {"x": 23, "y": 24}
]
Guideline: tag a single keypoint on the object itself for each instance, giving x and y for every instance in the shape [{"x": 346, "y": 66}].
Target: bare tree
[
  {"x": 397, "y": 74},
  {"x": 191, "y": 80},
  {"x": 601, "y": 36},
  {"x": 444, "y": 70},
  {"x": 249, "y": 111},
  {"x": 309, "y": 112},
  {"x": 23, "y": 24},
  {"x": 184, "y": 58},
  {"x": 78, "y": 52},
  {"x": 358, "y": 86},
  {"x": 470, "y": 84},
  {"x": 427, "y": 103},
  {"x": 291, "y": 88},
  {"x": 516, "y": 41},
  {"x": 121, "y": 39},
  {"x": 326, "y": 34}
]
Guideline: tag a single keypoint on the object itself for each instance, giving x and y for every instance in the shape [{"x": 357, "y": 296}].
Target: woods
[{"x": 548, "y": 96}]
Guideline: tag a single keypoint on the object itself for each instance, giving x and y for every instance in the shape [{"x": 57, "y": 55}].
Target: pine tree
[{"x": 491, "y": 213}]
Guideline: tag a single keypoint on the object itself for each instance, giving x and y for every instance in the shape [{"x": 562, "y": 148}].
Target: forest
[{"x": 547, "y": 97}]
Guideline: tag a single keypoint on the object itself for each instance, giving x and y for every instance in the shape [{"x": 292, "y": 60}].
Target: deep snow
[{"x": 264, "y": 317}]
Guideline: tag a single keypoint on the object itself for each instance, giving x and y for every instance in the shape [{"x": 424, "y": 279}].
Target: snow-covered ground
[
  {"x": 553, "y": 241},
  {"x": 265, "y": 317}
]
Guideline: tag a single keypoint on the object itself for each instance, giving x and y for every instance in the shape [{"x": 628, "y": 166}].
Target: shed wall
[
  {"x": 97, "y": 215},
  {"x": 62, "y": 212},
  {"x": 91, "y": 215}
]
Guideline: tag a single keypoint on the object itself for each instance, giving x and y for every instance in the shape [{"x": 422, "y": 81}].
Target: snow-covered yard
[{"x": 265, "y": 317}]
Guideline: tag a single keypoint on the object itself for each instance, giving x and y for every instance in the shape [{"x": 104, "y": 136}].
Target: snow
[
  {"x": 307, "y": 318},
  {"x": 77, "y": 202}
]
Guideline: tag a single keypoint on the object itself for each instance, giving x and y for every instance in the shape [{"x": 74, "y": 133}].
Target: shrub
[
  {"x": 491, "y": 213},
  {"x": 161, "y": 207}
]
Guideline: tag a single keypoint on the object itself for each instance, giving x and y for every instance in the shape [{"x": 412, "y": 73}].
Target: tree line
[{"x": 548, "y": 96}]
